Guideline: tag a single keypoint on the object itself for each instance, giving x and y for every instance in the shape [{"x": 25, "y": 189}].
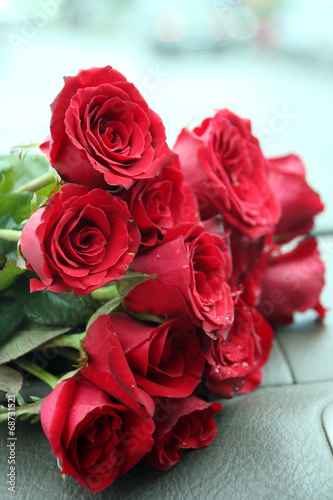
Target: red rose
[
  {"x": 103, "y": 132},
  {"x": 166, "y": 360},
  {"x": 80, "y": 241},
  {"x": 234, "y": 363},
  {"x": 181, "y": 424},
  {"x": 108, "y": 368},
  {"x": 246, "y": 253},
  {"x": 95, "y": 437},
  {"x": 161, "y": 203},
  {"x": 299, "y": 203},
  {"x": 192, "y": 268},
  {"x": 292, "y": 282},
  {"x": 223, "y": 163}
]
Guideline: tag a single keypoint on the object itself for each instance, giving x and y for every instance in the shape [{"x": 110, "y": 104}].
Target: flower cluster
[{"x": 207, "y": 223}]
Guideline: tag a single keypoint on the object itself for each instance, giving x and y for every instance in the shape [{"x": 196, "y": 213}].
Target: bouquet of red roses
[{"x": 159, "y": 273}]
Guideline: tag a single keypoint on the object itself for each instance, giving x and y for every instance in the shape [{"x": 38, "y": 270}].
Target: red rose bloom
[
  {"x": 223, "y": 163},
  {"x": 246, "y": 253},
  {"x": 95, "y": 437},
  {"x": 192, "y": 268},
  {"x": 292, "y": 282},
  {"x": 181, "y": 424},
  {"x": 234, "y": 363},
  {"x": 161, "y": 203},
  {"x": 103, "y": 132},
  {"x": 166, "y": 360},
  {"x": 80, "y": 241},
  {"x": 299, "y": 203},
  {"x": 107, "y": 366}
]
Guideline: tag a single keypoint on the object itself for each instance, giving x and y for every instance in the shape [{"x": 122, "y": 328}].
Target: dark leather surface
[
  {"x": 271, "y": 445},
  {"x": 327, "y": 420},
  {"x": 277, "y": 371}
]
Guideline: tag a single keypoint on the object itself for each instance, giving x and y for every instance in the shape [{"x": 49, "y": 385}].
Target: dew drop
[{"x": 244, "y": 363}]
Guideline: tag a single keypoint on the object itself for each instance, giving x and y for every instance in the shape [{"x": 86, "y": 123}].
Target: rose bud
[
  {"x": 181, "y": 424},
  {"x": 299, "y": 203},
  {"x": 166, "y": 360},
  {"x": 192, "y": 267},
  {"x": 234, "y": 364},
  {"x": 103, "y": 132},
  {"x": 161, "y": 203},
  {"x": 80, "y": 241},
  {"x": 95, "y": 437},
  {"x": 292, "y": 282},
  {"x": 223, "y": 163}
]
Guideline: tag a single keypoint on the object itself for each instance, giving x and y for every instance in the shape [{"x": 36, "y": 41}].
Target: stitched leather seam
[
  {"x": 283, "y": 352},
  {"x": 329, "y": 441}
]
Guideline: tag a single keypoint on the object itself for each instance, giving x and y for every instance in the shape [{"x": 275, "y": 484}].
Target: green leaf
[
  {"x": 50, "y": 190},
  {"x": 25, "y": 416},
  {"x": 27, "y": 166},
  {"x": 23, "y": 149},
  {"x": 16, "y": 204},
  {"x": 11, "y": 316},
  {"x": 26, "y": 339},
  {"x": 34, "y": 203},
  {"x": 35, "y": 398},
  {"x": 7, "y": 177},
  {"x": 131, "y": 280},
  {"x": 105, "y": 309},
  {"x": 53, "y": 309},
  {"x": 9, "y": 274},
  {"x": 20, "y": 400},
  {"x": 11, "y": 381},
  {"x": 35, "y": 419}
]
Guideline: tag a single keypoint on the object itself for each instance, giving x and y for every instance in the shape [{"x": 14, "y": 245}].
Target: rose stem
[
  {"x": 71, "y": 340},
  {"x": 105, "y": 293},
  {"x": 10, "y": 234},
  {"x": 37, "y": 183},
  {"x": 43, "y": 375}
]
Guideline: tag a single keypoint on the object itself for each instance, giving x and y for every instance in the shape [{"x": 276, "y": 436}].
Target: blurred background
[{"x": 270, "y": 61}]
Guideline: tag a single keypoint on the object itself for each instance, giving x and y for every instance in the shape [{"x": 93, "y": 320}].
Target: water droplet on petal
[{"x": 244, "y": 363}]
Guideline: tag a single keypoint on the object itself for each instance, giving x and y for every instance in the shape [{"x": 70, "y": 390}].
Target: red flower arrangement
[{"x": 173, "y": 257}]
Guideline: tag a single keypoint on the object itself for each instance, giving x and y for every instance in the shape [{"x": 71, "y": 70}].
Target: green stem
[
  {"x": 10, "y": 234},
  {"x": 37, "y": 183},
  {"x": 25, "y": 409},
  {"x": 105, "y": 293},
  {"x": 43, "y": 375},
  {"x": 72, "y": 340}
]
